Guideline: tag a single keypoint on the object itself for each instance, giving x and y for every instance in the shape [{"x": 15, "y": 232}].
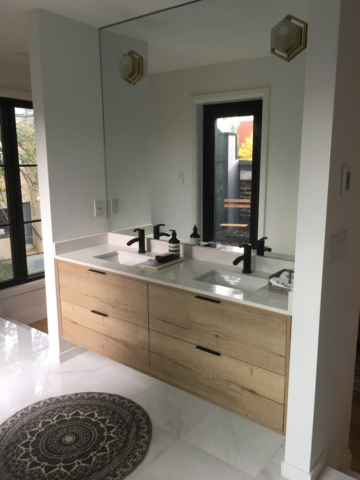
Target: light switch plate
[
  {"x": 98, "y": 208},
  {"x": 345, "y": 180},
  {"x": 338, "y": 247},
  {"x": 181, "y": 179},
  {"x": 115, "y": 206}
]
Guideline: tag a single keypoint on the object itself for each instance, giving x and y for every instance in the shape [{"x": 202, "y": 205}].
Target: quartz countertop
[{"x": 181, "y": 275}]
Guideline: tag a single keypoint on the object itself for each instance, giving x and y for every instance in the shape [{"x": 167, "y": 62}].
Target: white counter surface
[{"x": 181, "y": 275}]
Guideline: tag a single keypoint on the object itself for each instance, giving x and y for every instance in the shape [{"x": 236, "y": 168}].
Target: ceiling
[
  {"x": 209, "y": 32},
  {"x": 98, "y": 13}
]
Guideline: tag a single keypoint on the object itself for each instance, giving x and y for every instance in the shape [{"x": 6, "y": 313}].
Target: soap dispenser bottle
[
  {"x": 174, "y": 244},
  {"x": 195, "y": 237}
]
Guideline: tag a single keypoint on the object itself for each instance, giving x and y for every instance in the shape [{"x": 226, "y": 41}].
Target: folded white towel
[
  {"x": 287, "y": 276},
  {"x": 281, "y": 282}
]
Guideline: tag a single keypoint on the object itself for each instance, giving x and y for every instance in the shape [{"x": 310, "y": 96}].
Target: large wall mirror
[{"x": 211, "y": 133}]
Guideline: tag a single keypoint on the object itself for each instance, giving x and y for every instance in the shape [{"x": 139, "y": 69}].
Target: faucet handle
[
  {"x": 262, "y": 239},
  {"x": 140, "y": 230},
  {"x": 159, "y": 225}
]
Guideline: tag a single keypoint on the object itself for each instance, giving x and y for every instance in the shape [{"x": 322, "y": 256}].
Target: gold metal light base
[
  {"x": 137, "y": 72},
  {"x": 300, "y": 43}
]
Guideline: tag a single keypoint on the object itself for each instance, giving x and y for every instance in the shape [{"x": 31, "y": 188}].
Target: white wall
[
  {"x": 126, "y": 134},
  {"x": 326, "y": 296},
  {"x": 66, "y": 85},
  {"x": 15, "y": 76},
  {"x": 173, "y": 141},
  {"x": 25, "y": 303}
]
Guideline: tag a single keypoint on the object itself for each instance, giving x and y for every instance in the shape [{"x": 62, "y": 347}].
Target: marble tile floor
[{"x": 192, "y": 439}]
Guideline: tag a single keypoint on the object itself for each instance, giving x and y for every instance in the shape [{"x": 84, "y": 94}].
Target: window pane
[
  {"x": 1, "y": 142},
  {"x": 233, "y": 172},
  {"x": 30, "y": 193},
  {"x": 25, "y": 131},
  {"x": 6, "y": 267},
  {"x": 34, "y": 247},
  {"x": 4, "y": 217}
]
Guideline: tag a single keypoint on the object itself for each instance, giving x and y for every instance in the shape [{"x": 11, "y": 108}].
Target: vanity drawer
[
  {"x": 253, "y": 335},
  {"x": 246, "y": 390},
  {"x": 116, "y": 295},
  {"x": 122, "y": 341}
]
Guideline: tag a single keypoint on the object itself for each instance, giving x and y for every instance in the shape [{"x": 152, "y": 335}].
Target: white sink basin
[
  {"x": 123, "y": 258},
  {"x": 232, "y": 280}
]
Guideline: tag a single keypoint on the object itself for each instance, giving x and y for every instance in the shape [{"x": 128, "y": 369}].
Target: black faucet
[
  {"x": 260, "y": 247},
  {"x": 246, "y": 257},
  {"x": 157, "y": 233},
  {"x": 140, "y": 239}
]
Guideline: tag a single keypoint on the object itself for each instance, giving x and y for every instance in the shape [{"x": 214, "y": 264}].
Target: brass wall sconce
[
  {"x": 289, "y": 38},
  {"x": 131, "y": 67}
]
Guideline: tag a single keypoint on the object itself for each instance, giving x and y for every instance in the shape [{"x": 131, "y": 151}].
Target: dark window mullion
[
  {"x": 13, "y": 185},
  {"x": 32, "y": 221}
]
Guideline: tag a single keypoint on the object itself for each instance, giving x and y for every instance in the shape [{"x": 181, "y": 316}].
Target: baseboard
[
  {"x": 345, "y": 463},
  {"x": 293, "y": 473},
  {"x": 71, "y": 353},
  {"x": 30, "y": 316}
]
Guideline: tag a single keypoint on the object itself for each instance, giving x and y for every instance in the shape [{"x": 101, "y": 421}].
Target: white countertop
[{"x": 181, "y": 275}]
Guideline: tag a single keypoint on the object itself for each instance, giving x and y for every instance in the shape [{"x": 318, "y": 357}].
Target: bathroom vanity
[{"x": 228, "y": 350}]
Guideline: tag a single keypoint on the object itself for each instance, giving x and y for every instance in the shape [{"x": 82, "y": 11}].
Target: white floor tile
[
  {"x": 172, "y": 409},
  {"x": 160, "y": 442},
  {"x": 235, "y": 440},
  {"x": 112, "y": 378},
  {"x": 185, "y": 462}
]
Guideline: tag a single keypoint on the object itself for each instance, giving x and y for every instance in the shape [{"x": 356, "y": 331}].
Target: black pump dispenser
[
  {"x": 174, "y": 244},
  {"x": 195, "y": 236}
]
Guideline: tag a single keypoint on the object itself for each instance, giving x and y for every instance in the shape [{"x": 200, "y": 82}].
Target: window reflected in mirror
[{"x": 231, "y": 172}]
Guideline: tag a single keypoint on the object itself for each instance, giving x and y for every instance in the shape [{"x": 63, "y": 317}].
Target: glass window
[
  {"x": 232, "y": 136},
  {"x": 21, "y": 245}
]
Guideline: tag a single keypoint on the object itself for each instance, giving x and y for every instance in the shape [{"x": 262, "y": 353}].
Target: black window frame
[
  {"x": 211, "y": 112},
  {"x": 12, "y": 167}
]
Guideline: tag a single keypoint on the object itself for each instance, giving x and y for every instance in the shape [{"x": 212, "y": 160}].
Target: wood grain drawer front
[
  {"x": 241, "y": 388},
  {"x": 116, "y": 295},
  {"x": 250, "y": 334},
  {"x": 122, "y": 341}
]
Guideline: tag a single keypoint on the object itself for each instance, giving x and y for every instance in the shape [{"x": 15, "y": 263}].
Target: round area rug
[{"x": 92, "y": 436}]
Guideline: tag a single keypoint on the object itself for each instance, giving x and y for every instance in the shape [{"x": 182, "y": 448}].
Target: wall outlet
[
  {"x": 98, "y": 208},
  {"x": 115, "y": 206}
]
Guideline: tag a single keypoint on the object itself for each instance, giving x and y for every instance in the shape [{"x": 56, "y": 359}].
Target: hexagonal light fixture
[
  {"x": 289, "y": 38},
  {"x": 131, "y": 67}
]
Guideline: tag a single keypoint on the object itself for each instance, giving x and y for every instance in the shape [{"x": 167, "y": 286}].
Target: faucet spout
[
  {"x": 238, "y": 260},
  {"x": 132, "y": 241},
  {"x": 140, "y": 239},
  {"x": 246, "y": 258}
]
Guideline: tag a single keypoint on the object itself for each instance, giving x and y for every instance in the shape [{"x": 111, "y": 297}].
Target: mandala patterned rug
[{"x": 92, "y": 436}]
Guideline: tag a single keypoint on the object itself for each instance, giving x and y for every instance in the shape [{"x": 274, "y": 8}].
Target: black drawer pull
[
  {"x": 208, "y": 351},
  {"x": 96, "y": 271},
  {"x": 99, "y": 313},
  {"x": 207, "y": 299}
]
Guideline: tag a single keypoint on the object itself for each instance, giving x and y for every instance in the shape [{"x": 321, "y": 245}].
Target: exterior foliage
[{"x": 246, "y": 149}]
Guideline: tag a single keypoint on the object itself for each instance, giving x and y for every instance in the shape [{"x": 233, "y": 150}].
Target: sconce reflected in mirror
[
  {"x": 289, "y": 38},
  {"x": 131, "y": 67}
]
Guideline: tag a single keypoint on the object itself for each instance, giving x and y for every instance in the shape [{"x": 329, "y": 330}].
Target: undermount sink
[
  {"x": 123, "y": 258},
  {"x": 231, "y": 280}
]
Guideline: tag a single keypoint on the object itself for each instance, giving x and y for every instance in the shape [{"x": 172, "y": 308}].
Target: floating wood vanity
[{"x": 232, "y": 355}]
